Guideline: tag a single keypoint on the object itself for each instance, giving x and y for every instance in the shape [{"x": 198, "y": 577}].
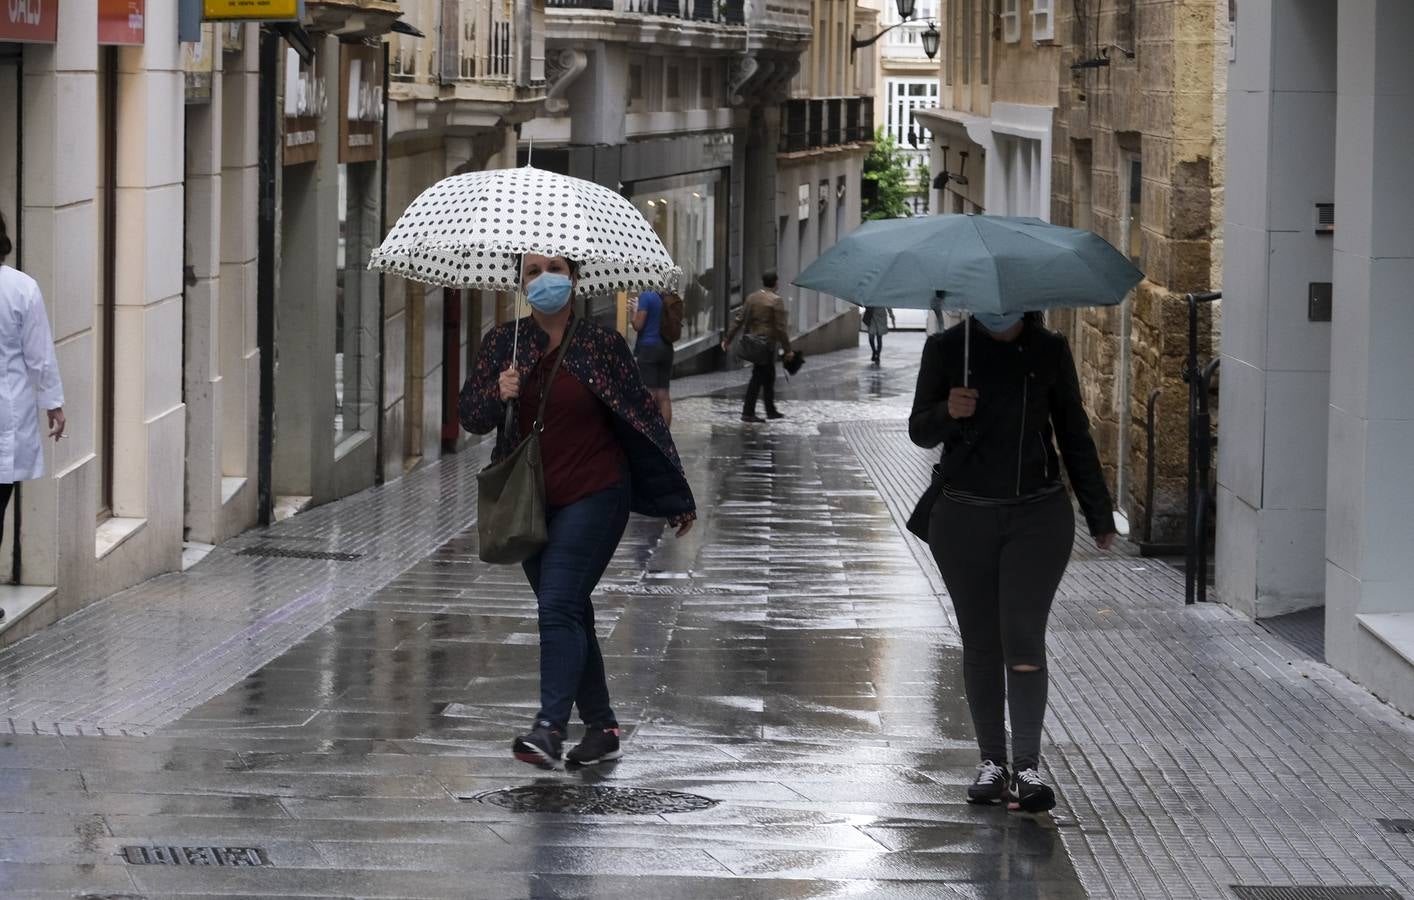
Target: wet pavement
[{"x": 787, "y": 677}]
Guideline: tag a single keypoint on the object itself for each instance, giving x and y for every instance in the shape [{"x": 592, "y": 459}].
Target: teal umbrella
[{"x": 972, "y": 264}]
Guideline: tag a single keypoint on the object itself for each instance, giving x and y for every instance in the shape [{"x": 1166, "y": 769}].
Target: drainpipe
[{"x": 267, "y": 136}]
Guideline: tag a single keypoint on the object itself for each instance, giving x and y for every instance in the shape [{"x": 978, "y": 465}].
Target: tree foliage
[{"x": 885, "y": 166}]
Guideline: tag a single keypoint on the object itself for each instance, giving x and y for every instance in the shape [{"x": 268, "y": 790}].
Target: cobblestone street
[{"x": 338, "y": 693}]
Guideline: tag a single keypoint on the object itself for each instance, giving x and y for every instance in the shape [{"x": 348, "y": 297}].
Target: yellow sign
[{"x": 261, "y": 10}]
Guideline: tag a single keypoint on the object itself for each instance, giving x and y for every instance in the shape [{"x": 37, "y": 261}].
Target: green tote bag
[{"x": 510, "y": 503}]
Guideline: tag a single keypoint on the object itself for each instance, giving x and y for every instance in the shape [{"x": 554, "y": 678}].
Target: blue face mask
[
  {"x": 995, "y": 323},
  {"x": 549, "y": 293}
]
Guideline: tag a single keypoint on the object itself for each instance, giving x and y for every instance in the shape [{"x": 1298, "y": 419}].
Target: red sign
[
  {"x": 36, "y": 21},
  {"x": 119, "y": 21}
]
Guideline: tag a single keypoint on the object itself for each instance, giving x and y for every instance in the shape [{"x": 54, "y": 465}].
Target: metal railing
[
  {"x": 727, "y": 12},
  {"x": 826, "y": 122},
  {"x": 476, "y": 42}
]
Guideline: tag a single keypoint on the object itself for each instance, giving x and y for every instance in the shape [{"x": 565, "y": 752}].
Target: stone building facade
[{"x": 1138, "y": 158}]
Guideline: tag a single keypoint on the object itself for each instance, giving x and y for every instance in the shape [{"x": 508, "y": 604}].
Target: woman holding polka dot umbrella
[{"x": 571, "y": 391}]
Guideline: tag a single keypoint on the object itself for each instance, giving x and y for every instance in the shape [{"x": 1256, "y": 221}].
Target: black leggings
[
  {"x": 876, "y": 344},
  {"x": 1002, "y": 566}
]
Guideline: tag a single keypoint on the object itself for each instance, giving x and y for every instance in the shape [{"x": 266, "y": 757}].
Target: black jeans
[
  {"x": 583, "y": 538},
  {"x": 763, "y": 383},
  {"x": 1002, "y": 566},
  {"x": 6, "y": 490},
  {"x": 876, "y": 344}
]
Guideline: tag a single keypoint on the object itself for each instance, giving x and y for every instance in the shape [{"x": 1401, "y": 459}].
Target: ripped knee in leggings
[{"x": 1025, "y": 667}]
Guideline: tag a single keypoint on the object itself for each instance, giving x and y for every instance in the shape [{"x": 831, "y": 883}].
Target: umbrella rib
[{"x": 996, "y": 270}]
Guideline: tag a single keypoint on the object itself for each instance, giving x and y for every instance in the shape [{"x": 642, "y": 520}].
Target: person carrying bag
[
  {"x": 510, "y": 501},
  {"x": 593, "y": 447},
  {"x": 762, "y": 325}
]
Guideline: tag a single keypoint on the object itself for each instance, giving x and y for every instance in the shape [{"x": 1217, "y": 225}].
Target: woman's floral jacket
[{"x": 600, "y": 358}]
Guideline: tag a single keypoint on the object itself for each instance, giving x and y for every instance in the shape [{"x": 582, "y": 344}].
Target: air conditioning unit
[{"x": 1325, "y": 218}]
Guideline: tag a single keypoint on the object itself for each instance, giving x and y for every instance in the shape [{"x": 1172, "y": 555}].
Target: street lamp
[{"x": 931, "y": 37}]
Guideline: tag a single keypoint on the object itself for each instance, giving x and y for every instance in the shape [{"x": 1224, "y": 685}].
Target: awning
[{"x": 941, "y": 120}]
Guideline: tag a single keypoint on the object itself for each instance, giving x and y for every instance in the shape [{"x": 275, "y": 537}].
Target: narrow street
[{"x": 337, "y": 694}]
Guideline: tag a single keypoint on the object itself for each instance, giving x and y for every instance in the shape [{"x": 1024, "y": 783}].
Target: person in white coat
[{"x": 29, "y": 372}]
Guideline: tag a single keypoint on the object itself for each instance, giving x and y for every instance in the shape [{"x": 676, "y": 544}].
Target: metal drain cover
[
  {"x": 296, "y": 553},
  {"x": 1397, "y": 826},
  {"x": 593, "y": 800},
  {"x": 236, "y": 857},
  {"x": 1312, "y": 892}
]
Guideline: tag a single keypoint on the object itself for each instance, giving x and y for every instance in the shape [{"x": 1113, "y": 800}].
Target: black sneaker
[
  {"x": 775, "y": 415},
  {"x": 755, "y": 420},
  {"x": 540, "y": 746},
  {"x": 1031, "y": 794},
  {"x": 990, "y": 785},
  {"x": 599, "y": 745}
]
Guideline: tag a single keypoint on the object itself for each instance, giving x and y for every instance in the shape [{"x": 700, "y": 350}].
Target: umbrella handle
[{"x": 967, "y": 351}]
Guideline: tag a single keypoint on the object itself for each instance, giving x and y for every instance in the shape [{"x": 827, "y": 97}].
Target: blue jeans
[{"x": 582, "y": 539}]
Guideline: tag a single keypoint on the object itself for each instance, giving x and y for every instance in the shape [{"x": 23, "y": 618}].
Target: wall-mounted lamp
[
  {"x": 931, "y": 37},
  {"x": 941, "y": 180}
]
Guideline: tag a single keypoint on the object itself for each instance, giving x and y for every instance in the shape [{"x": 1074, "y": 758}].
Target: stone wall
[{"x": 1161, "y": 108}]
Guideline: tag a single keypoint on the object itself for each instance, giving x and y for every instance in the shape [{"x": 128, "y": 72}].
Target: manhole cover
[
  {"x": 1313, "y": 892},
  {"x": 594, "y": 800},
  {"x": 296, "y": 553},
  {"x": 235, "y": 857}
]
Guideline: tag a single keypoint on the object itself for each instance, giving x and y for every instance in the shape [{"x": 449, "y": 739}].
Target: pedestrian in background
[
  {"x": 605, "y": 451},
  {"x": 654, "y": 347},
  {"x": 1002, "y": 526},
  {"x": 763, "y": 315},
  {"x": 877, "y": 320},
  {"x": 29, "y": 373}
]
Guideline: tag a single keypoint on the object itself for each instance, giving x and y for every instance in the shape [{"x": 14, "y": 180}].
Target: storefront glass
[
  {"x": 689, "y": 212},
  {"x": 356, "y": 296}
]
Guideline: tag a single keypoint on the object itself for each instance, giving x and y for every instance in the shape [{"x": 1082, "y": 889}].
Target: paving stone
[{"x": 795, "y": 658}]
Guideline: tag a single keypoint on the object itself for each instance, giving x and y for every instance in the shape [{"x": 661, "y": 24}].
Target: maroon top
[{"x": 580, "y": 451}]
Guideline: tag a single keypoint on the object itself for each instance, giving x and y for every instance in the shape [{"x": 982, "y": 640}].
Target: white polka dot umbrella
[{"x": 469, "y": 230}]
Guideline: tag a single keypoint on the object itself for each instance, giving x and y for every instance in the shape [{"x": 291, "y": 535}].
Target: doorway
[{"x": 11, "y": 200}]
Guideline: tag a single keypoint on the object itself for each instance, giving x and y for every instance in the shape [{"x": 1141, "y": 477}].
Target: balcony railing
[
  {"x": 727, "y": 12},
  {"x": 476, "y": 43},
  {"x": 831, "y": 122}
]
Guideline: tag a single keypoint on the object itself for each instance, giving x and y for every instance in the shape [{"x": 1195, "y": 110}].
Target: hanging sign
[
  {"x": 305, "y": 101},
  {"x": 256, "y": 10},
  {"x": 232, "y": 36},
  {"x": 120, "y": 22},
  {"x": 361, "y": 109},
  {"x": 199, "y": 65},
  {"x": 31, "y": 21}
]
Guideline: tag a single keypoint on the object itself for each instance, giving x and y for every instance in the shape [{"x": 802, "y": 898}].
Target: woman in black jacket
[{"x": 1002, "y": 528}]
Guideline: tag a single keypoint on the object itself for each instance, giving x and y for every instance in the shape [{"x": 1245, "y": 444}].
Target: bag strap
[{"x": 539, "y": 425}]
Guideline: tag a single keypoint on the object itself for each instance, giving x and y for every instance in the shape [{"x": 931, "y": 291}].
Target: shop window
[
  {"x": 689, "y": 214},
  {"x": 1043, "y": 20},
  {"x": 106, "y": 311},
  {"x": 1011, "y": 20},
  {"x": 356, "y": 293}
]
